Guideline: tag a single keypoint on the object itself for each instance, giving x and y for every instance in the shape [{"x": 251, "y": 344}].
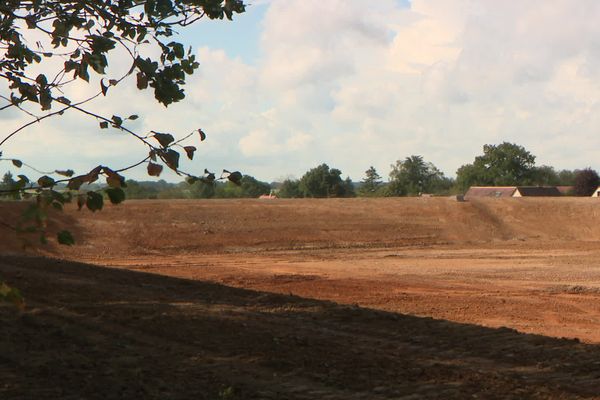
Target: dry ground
[{"x": 310, "y": 299}]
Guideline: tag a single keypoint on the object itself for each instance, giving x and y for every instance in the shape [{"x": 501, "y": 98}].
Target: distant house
[
  {"x": 268, "y": 196},
  {"x": 512, "y": 191},
  {"x": 596, "y": 192},
  {"x": 539, "y": 191}
]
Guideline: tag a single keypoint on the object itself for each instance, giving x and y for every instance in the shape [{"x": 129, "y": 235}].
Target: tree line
[{"x": 505, "y": 164}]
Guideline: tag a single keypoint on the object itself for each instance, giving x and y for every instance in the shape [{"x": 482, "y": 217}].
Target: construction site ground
[{"x": 402, "y": 298}]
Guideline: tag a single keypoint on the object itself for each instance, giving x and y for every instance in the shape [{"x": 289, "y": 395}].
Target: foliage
[
  {"x": 290, "y": 188},
  {"x": 322, "y": 181},
  {"x": 413, "y": 176},
  {"x": 545, "y": 176},
  {"x": 84, "y": 35},
  {"x": 371, "y": 183},
  {"x": 506, "y": 164},
  {"x": 7, "y": 186},
  {"x": 586, "y": 182}
]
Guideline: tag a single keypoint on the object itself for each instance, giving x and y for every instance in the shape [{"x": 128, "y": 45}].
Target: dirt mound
[{"x": 182, "y": 226}]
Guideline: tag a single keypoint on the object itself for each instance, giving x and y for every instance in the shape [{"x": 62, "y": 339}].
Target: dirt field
[{"x": 310, "y": 299}]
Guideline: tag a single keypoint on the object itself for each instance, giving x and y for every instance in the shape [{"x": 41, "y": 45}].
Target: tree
[
  {"x": 371, "y": 183},
  {"x": 8, "y": 183},
  {"x": 586, "y": 182},
  {"x": 322, "y": 181},
  {"x": 248, "y": 187},
  {"x": 506, "y": 164},
  {"x": 290, "y": 188},
  {"x": 413, "y": 176},
  {"x": 85, "y": 35},
  {"x": 545, "y": 176}
]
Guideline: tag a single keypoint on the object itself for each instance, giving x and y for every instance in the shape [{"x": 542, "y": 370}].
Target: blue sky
[{"x": 353, "y": 83}]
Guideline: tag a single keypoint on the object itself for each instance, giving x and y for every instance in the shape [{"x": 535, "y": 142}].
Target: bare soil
[{"x": 309, "y": 299}]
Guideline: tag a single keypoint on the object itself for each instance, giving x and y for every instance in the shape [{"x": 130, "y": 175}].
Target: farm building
[
  {"x": 540, "y": 191},
  {"x": 512, "y": 191},
  {"x": 596, "y": 192}
]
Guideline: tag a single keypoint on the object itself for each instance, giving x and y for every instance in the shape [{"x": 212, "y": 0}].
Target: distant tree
[
  {"x": 567, "y": 177},
  {"x": 586, "y": 182},
  {"x": 322, "y": 182},
  {"x": 349, "y": 188},
  {"x": 413, "y": 176},
  {"x": 506, "y": 164},
  {"x": 8, "y": 183},
  {"x": 371, "y": 183},
  {"x": 202, "y": 190},
  {"x": 290, "y": 188},
  {"x": 249, "y": 187},
  {"x": 545, "y": 176}
]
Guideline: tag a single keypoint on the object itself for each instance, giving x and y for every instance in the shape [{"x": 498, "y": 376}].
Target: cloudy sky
[{"x": 353, "y": 83}]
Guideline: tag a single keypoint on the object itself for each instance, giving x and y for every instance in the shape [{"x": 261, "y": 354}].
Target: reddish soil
[{"x": 309, "y": 299}]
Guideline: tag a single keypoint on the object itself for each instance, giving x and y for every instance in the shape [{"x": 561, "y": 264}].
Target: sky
[{"x": 355, "y": 83}]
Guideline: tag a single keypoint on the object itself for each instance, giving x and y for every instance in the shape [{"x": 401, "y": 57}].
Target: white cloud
[{"x": 355, "y": 83}]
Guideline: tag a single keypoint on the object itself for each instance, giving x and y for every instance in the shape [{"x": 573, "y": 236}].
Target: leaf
[
  {"x": 81, "y": 199},
  {"x": 103, "y": 87},
  {"x": 132, "y": 117},
  {"x": 68, "y": 173},
  {"x": 115, "y": 195},
  {"x": 171, "y": 158},
  {"x": 235, "y": 177},
  {"x": 189, "y": 150},
  {"x": 17, "y": 163},
  {"x": 164, "y": 138},
  {"x": 154, "y": 169},
  {"x": 75, "y": 183},
  {"x": 202, "y": 135},
  {"x": 94, "y": 201},
  {"x": 142, "y": 81},
  {"x": 45, "y": 181},
  {"x": 113, "y": 179},
  {"x": 103, "y": 125},
  {"x": 11, "y": 295},
  {"x": 117, "y": 121},
  {"x": 209, "y": 177}
]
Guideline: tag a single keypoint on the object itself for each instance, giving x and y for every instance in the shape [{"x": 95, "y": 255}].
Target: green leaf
[
  {"x": 65, "y": 237},
  {"x": 11, "y": 295},
  {"x": 94, "y": 201},
  {"x": 154, "y": 169},
  {"x": 189, "y": 150},
  {"x": 132, "y": 117},
  {"x": 164, "y": 138},
  {"x": 103, "y": 125},
  {"x": 45, "y": 181},
  {"x": 118, "y": 121},
  {"x": 116, "y": 195},
  {"x": 17, "y": 163}
]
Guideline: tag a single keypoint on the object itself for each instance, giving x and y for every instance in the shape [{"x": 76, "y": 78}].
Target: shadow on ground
[{"x": 98, "y": 333}]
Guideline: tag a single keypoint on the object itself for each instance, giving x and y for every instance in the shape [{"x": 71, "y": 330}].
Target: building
[{"x": 512, "y": 191}]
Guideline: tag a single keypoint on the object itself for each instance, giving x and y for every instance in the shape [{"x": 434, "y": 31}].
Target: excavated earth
[{"x": 404, "y": 298}]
